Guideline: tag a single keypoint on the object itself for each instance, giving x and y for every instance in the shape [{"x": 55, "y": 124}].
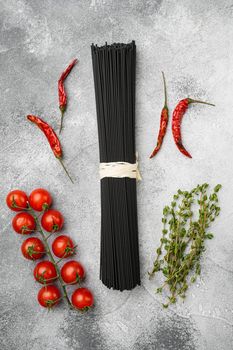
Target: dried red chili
[
  {"x": 62, "y": 92},
  {"x": 177, "y": 116},
  {"x": 51, "y": 137},
  {"x": 163, "y": 122}
]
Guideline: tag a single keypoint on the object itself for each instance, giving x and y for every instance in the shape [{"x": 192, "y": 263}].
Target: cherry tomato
[
  {"x": 52, "y": 220},
  {"x": 82, "y": 299},
  {"x": 24, "y": 223},
  {"x": 45, "y": 271},
  {"x": 33, "y": 248},
  {"x": 17, "y": 198},
  {"x": 49, "y": 296},
  {"x": 40, "y": 199},
  {"x": 72, "y": 272},
  {"x": 63, "y": 246}
]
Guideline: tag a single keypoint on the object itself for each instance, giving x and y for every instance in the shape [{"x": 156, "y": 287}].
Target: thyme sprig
[{"x": 185, "y": 229}]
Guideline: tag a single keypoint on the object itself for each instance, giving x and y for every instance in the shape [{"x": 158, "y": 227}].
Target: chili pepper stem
[
  {"x": 165, "y": 90},
  {"x": 62, "y": 164},
  {"x": 62, "y": 117},
  {"x": 190, "y": 100}
]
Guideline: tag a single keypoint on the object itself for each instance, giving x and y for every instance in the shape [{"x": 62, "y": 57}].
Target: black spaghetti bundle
[{"x": 114, "y": 80}]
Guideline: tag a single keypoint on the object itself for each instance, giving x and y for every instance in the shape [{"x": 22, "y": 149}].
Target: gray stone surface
[{"x": 192, "y": 42}]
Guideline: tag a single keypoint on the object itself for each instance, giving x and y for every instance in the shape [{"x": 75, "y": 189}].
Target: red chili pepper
[
  {"x": 177, "y": 116},
  {"x": 62, "y": 92},
  {"x": 51, "y": 137},
  {"x": 163, "y": 122}
]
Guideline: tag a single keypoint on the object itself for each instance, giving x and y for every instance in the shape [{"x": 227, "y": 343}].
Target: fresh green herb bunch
[{"x": 185, "y": 228}]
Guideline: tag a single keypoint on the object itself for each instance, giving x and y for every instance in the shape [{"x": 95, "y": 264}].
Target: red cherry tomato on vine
[
  {"x": 24, "y": 223},
  {"x": 33, "y": 248},
  {"x": 45, "y": 271},
  {"x": 72, "y": 272},
  {"x": 52, "y": 220},
  {"x": 40, "y": 199},
  {"x": 63, "y": 246},
  {"x": 17, "y": 198},
  {"x": 82, "y": 299},
  {"x": 49, "y": 296}
]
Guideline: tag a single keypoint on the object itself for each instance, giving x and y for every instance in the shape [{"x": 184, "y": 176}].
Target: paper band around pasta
[{"x": 120, "y": 170}]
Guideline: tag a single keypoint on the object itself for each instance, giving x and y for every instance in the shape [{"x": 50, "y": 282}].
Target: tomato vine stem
[
  {"x": 47, "y": 237},
  {"x": 48, "y": 251},
  {"x": 43, "y": 236}
]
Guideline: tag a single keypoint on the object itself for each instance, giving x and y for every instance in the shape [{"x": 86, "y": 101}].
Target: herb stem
[{"x": 184, "y": 234}]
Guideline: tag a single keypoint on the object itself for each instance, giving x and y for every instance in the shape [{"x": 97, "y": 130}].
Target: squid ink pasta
[{"x": 114, "y": 82}]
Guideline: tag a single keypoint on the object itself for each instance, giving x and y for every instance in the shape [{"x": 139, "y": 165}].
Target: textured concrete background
[{"x": 192, "y": 42}]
